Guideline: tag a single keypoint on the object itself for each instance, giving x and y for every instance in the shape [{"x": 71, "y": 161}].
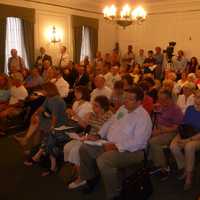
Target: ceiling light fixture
[{"x": 126, "y": 16}]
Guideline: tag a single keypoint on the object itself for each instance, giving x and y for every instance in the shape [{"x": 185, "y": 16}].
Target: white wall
[
  {"x": 178, "y": 22},
  {"x": 168, "y": 20},
  {"x": 47, "y": 16}
]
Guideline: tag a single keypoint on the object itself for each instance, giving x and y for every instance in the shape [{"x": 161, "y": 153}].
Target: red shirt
[{"x": 148, "y": 103}]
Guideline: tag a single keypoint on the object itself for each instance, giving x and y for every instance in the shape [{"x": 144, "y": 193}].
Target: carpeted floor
[{"x": 18, "y": 182}]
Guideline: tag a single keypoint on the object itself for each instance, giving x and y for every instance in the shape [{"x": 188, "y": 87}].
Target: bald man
[{"x": 101, "y": 88}]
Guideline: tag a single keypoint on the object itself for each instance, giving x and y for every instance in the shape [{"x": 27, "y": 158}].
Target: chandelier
[{"x": 126, "y": 16}]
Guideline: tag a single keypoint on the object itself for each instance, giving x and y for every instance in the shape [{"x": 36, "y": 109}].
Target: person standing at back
[
  {"x": 63, "y": 58},
  {"x": 15, "y": 62}
]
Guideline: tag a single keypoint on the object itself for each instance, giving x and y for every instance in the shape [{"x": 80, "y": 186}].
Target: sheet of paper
[
  {"x": 96, "y": 143},
  {"x": 63, "y": 127}
]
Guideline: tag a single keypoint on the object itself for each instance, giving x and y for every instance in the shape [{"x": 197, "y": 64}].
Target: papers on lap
[
  {"x": 96, "y": 143},
  {"x": 63, "y": 127}
]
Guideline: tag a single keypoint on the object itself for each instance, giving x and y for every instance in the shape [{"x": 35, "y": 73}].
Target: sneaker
[
  {"x": 164, "y": 175},
  {"x": 154, "y": 170},
  {"x": 91, "y": 184},
  {"x": 74, "y": 184}
]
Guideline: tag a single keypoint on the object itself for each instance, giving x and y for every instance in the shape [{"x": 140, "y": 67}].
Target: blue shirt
[
  {"x": 192, "y": 117},
  {"x": 34, "y": 81},
  {"x": 56, "y": 106}
]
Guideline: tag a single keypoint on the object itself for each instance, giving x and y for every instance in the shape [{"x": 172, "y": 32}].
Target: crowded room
[{"x": 99, "y": 100}]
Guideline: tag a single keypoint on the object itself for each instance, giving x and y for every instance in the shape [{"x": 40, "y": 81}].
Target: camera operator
[{"x": 179, "y": 63}]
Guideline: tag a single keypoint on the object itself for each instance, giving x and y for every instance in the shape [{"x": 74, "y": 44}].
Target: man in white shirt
[
  {"x": 126, "y": 137},
  {"x": 61, "y": 84},
  {"x": 101, "y": 89},
  {"x": 112, "y": 76},
  {"x": 63, "y": 59}
]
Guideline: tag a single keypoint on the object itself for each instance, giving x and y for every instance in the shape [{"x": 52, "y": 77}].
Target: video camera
[{"x": 169, "y": 51}]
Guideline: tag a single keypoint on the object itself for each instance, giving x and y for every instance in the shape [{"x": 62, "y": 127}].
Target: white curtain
[
  {"x": 14, "y": 40},
  {"x": 85, "y": 46}
]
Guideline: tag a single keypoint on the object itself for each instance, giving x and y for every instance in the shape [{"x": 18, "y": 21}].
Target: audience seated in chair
[
  {"x": 126, "y": 137},
  {"x": 147, "y": 101},
  {"x": 95, "y": 120},
  {"x": 61, "y": 84},
  {"x": 81, "y": 105},
  {"x": 101, "y": 88},
  {"x": 4, "y": 91},
  {"x": 186, "y": 160},
  {"x": 112, "y": 76},
  {"x": 168, "y": 118},
  {"x": 127, "y": 132},
  {"x": 18, "y": 94},
  {"x": 187, "y": 97},
  {"x": 117, "y": 96},
  {"x": 33, "y": 80},
  {"x": 50, "y": 115},
  {"x": 127, "y": 81}
]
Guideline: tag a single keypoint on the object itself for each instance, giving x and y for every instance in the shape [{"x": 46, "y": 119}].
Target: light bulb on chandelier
[{"x": 126, "y": 16}]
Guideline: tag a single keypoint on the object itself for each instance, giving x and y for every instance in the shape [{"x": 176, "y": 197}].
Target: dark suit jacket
[
  {"x": 84, "y": 80},
  {"x": 71, "y": 77},
  {"x": 46, "y": 57}
]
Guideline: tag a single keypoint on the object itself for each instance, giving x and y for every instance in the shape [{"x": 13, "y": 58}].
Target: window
[
  {"x": 85, "y": 46},
  {"x": 14, "y": 40}
]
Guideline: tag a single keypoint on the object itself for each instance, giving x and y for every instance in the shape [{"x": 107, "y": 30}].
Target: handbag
[
  {"x": 137, "y": 186},
  {"x": 187, "y": 131}
]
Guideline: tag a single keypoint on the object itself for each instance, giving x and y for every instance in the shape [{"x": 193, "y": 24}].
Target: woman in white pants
[
  {"x": 186, "y": 159},
  {"x": 96, "y": 119}
]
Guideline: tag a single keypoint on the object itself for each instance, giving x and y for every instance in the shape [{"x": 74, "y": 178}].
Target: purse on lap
[{"x": 187, "y": 131}]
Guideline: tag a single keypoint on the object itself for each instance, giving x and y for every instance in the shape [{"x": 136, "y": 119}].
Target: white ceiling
[{"x": 97, "y": 5}]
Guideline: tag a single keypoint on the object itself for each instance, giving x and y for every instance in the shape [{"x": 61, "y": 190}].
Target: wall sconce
[{"x": 54, "y": 36}]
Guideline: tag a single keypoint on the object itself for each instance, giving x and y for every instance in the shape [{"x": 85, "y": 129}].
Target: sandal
[
  {"x": 30, "y": 162},
  {"x": 2, "y": 133},
  {"x": 49, "y": 172}
]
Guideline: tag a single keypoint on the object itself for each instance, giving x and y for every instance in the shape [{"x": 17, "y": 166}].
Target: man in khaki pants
[
  {"x": 126, "y": 138},
  {"x": 169, "y": 116}
]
